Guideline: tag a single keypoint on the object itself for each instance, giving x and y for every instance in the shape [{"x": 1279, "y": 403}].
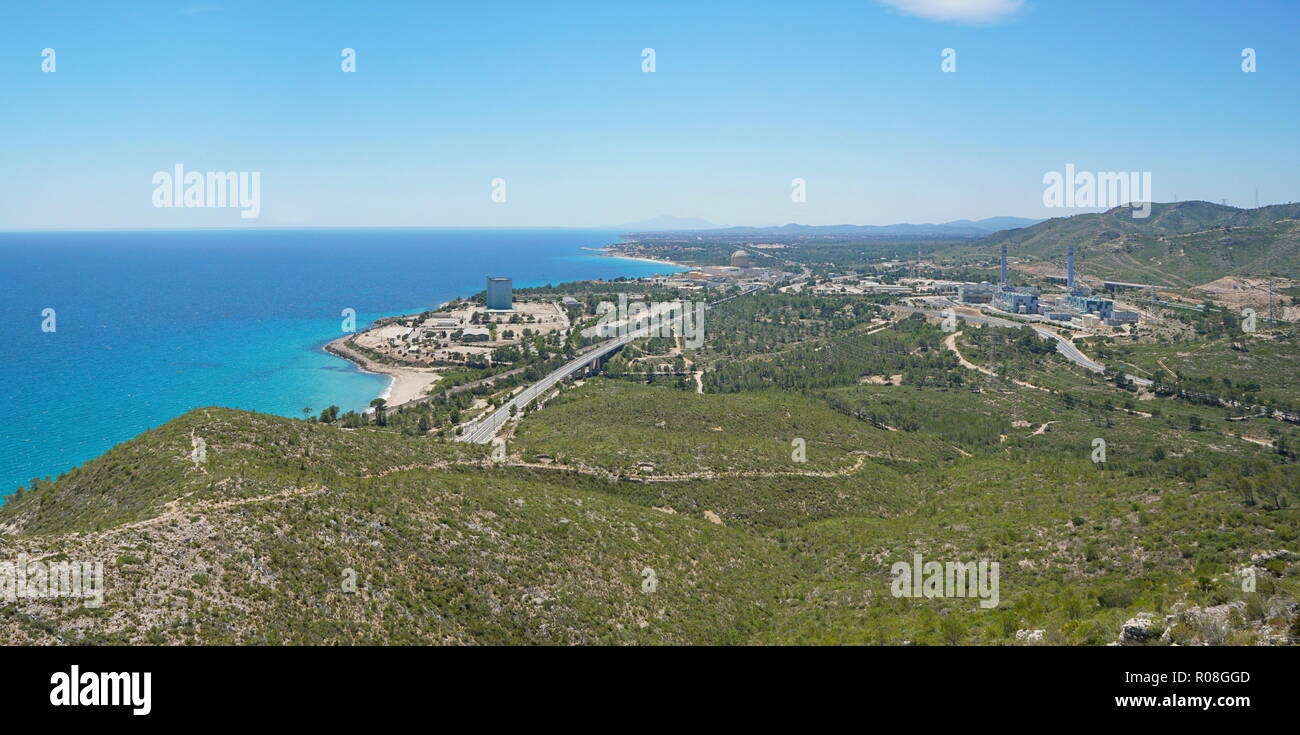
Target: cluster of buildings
[
  {"x": 851, "y": 283},
  {"x": 1078, "y": 302},
  {"x": 1002, "y": 295},
  {"x": 740, "y": 271}
]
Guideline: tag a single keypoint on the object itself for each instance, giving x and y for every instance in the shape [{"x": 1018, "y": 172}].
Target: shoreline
[
  {"x": 405, "y": 385},
  {"x": 616, "y": 254}
]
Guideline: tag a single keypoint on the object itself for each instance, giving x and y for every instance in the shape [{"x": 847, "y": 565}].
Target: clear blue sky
[{"x": 550, "y": 96}]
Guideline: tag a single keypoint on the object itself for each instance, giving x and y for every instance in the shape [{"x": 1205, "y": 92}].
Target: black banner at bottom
[{"x": 340, "y": 685}]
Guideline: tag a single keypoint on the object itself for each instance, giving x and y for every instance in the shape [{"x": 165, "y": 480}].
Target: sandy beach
[
  {"x": 620, "y": 256},
  {"x": 409, "y": 383}
]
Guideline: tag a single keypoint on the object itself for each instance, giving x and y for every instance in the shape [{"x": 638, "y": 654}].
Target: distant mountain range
[
  {"x": 667, "y": 223},
  {"x": 956, "y": 228},
  {"x": 1179, "y": 244}
]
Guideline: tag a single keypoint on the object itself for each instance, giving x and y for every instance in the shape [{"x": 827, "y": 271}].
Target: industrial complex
[{"x": 1078, "y": 301}]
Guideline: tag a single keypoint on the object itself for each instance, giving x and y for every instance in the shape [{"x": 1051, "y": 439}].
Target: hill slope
[
  {"x": 256, "y": 545},
  {"x": 1179, "y": 244},
  {"x": 627, "y": 513}
]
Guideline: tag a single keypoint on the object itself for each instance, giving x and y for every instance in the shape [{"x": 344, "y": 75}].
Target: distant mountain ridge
[
  {"x": 667, "y": 222},
  {"x": 962, "y": 228},
  {"x": 1179, "y": 244}
]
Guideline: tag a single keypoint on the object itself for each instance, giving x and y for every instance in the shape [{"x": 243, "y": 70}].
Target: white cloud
[{"x": 966, "y": 11}]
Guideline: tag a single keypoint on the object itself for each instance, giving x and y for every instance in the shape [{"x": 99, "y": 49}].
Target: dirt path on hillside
[
  {"x": 172, "y": 509},
  {"x": 951, "y": 343}
]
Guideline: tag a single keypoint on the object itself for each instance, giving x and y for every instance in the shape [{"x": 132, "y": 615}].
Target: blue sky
[{"x": 551, "y": 97}]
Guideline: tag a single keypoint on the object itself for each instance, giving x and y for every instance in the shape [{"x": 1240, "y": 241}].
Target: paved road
[
  {"x": 482, "y": 430},
  {"x": 1063, "y": 345}
]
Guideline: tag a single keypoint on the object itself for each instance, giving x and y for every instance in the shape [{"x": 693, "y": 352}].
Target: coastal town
[
  {"x": 491, "y": 343},
  {"x": 495, "y": 328}
]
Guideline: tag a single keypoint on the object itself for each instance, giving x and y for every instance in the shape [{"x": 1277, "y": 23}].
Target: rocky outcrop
[{"x": 1140, "y": 630}]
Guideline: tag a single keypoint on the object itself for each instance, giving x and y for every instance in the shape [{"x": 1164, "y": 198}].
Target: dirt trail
[
  {"x": 857, "y": 465},
  {"x": 1262, "y": 442},
  {"x": 173, "y": 510},
  {"x": 951, "y": 343}
]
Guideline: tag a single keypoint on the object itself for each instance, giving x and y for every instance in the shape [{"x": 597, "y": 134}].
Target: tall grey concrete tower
[
  {"x": 1004, "y": 265},
  {"x": 499, "y": 294},
  {"x": 1069, "y": 267}
]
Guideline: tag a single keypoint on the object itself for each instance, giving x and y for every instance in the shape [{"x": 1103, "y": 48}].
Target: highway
[{"x": 482, "y": 430}]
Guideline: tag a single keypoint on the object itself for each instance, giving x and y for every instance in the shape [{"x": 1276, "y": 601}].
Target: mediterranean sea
[{"x": 150, "y": 324}]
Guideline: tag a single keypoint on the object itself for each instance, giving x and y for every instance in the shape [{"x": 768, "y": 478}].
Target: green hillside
[
  {"x": 769, "y": 508},
  {"x": 1179, "y": 244},
  {"x": 254, "y": 547}
]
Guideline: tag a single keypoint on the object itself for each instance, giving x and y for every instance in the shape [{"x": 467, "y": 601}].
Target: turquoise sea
[{"x": 151, "y": 324}]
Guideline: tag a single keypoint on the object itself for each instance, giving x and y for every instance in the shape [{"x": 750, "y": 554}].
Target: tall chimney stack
[
  {"x": 1004, "y": 265},
  {"x": 1069, "y": 267}
]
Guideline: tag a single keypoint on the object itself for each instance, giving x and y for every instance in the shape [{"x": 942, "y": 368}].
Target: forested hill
[{"x": 1179, "y": 244}]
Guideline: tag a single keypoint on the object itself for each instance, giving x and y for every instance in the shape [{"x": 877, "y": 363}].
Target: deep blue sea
[{"x": 152, "y": 324}]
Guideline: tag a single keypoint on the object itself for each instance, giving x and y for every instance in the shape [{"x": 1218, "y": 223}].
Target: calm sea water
[{"x": 152, "y": 324}]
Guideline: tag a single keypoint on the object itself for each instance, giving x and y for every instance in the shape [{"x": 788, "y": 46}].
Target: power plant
[
  {"x": 1077, "y": 301},
  {"x": 1017, "y": 299},
  {"x": 1021, "y": 300}
]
